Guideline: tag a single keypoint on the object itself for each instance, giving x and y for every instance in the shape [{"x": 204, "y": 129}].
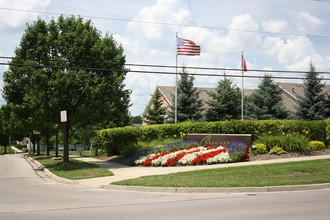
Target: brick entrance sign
[{"x": 220, "y": 139}]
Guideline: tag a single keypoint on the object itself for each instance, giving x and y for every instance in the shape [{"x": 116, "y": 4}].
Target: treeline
[{"x": 265, "y": 103}]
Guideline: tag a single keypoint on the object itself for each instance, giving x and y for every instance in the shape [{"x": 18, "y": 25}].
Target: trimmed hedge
[{"x": 115, "y": 139}]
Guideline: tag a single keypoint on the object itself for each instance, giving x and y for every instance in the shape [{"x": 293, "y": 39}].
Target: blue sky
[{"x": 222, "y": 28}]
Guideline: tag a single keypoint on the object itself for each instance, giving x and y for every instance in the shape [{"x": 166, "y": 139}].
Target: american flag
[{"x": 187, "y": 47}]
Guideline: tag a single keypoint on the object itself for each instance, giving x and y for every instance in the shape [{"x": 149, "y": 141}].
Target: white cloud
[
  {"x": 295, "y": 53},
  {"x": 164, "y": 11},
  {"x": 310, "y": 19},
  {"x": 237, "y": 40},
  {"x": 12, "y": 20},
  {"x": 308, "y": 23},
  {"x": 275, "y": 26}
]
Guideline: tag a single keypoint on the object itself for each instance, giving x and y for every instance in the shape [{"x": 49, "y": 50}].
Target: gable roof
[
  {"x": 290, "y": 94},
  {"x": 167, "y": 92}
]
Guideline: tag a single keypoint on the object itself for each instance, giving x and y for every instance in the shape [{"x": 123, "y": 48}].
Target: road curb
[
  {"x": 39, "y": 167},
  {"x": 218, "y": 190}
]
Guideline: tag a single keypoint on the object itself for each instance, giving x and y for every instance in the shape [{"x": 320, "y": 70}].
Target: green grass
[
  {"x": 291, "y": 173},
  {"x": 8, "y": 150},
  {"x": 75, "y": 169}
]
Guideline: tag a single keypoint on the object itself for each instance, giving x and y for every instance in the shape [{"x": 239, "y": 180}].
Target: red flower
[
  {"x": 171, "y": 162},
  {"x": 202, "y": 158},
  {"x": 246, "y": 154}
]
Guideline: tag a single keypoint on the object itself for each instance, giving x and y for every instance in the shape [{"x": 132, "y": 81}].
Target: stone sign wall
[{"x": 220, "y": 139}]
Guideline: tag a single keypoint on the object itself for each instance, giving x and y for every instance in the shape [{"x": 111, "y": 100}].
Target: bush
[
  {"x": 24, "y": 149},
  {"x": 277, "y": 150},
  {"x": 315, "y": 130},
  {"x": 20, "y": 146},
  {"x": 316, "y": 145},
  {"x": 289, "y": 143},
  {"x": 116, "y": 139},
  {"x": 261, "y": 149},
  {"x": 327, "y": 132}
]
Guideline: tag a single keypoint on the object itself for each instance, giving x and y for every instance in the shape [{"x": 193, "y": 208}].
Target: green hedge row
[{"x": 115, "y": 139}]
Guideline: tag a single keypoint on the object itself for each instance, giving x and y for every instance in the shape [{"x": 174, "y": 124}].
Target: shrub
[
  {"x": 315, "y": 130},
  {"x": 327, "y": 132},
  {"x": 289, "y": 143},
  {"x": 20, "y": 146},
  {"x": 277, "y": 150},
  {"x": 115, "y": 139},
  {"x": 24, "y": 149},
  {"x": 316, "y": 145},
  {"x": 261, "y": 149}
]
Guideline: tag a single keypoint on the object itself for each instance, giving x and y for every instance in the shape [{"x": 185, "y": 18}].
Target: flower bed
[{"x": 192, "y": 156}]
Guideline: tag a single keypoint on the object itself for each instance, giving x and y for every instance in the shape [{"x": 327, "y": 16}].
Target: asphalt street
[{"x": 27, "y": 194}]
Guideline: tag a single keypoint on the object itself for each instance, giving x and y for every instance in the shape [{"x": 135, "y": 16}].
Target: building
[{"x": 290, "y": 94}]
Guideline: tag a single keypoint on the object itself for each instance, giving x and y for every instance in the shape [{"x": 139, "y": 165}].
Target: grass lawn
[
  {"x": 291, "y": 173},
  {"x": 75, "y": 169}
]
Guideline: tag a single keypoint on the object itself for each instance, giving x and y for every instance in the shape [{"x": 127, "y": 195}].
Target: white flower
[{"x": 220, "y": 158}]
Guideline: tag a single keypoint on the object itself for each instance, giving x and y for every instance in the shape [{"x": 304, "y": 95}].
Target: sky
[{"x": 273, "y": 35}]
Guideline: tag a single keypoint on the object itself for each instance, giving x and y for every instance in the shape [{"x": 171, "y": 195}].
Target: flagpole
[
  {"x": 242, "y": 104},
  {"x": 176, "y": 87}
]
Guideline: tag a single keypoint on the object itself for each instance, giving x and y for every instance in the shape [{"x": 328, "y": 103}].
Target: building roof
[
  {"x": 290, "y": 94},
  {"x": 167, "y": 92}
]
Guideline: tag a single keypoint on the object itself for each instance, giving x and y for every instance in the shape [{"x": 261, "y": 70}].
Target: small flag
[
  {"x": 187, "y": 47},
  {"x": 244, "y": 68}
]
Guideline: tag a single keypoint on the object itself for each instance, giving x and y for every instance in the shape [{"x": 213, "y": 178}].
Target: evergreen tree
[
  {"x": 266, "y": 102},
  {"x": 156, "y": 113},
  {"x": 225, "y": 103},
  {"x": 189, "y": 107},
  {"x": 313, "y": 105}
]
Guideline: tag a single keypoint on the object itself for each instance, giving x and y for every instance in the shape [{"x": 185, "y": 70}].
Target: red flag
[
  {"x": 187, "y": 47},
  {"x": 244, "y": 65}
]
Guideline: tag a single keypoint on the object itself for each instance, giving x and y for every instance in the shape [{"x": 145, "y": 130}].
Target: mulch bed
[{"x": 125, "y": 161}]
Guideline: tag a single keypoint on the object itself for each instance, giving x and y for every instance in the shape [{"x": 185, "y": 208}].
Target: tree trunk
[{"x": 38, "y": 145}]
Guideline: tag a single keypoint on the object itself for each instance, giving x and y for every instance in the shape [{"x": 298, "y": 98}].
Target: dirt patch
[{"x": 126, "y": 161}]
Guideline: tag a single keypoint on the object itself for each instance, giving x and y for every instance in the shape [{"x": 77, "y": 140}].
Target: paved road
[{"x": 26, "y": 195}]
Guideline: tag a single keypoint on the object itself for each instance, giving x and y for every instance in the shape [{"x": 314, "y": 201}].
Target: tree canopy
[
  {"x": 314, "y": 105},
  {"x": 156, "y": 113},
  {"x": 225, "y": 102},
  {"x": 266, "y": 102},
  {"x": 189, "y": 105},
  {"x": 66, "y": 64}
]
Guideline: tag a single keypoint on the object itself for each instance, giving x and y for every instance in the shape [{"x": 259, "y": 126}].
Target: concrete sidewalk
[{"x": 122, "y": 172}]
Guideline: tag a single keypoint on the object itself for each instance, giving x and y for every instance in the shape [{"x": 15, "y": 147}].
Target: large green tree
[
  {"x": 313, "y": 105},
  {"x": 189, "y": 105},
  {"x": 67, "y": 64},
  {"x": 156, "y": 113},
  {"x": 225, "y": 102},
  {"x": 266, "y": 102}
]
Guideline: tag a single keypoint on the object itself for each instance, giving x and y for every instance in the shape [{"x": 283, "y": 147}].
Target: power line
[
  {"x": 149, "y": 72},
  {"x": 170, "y": 24},
  {"x": 165, "y": 66}
]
